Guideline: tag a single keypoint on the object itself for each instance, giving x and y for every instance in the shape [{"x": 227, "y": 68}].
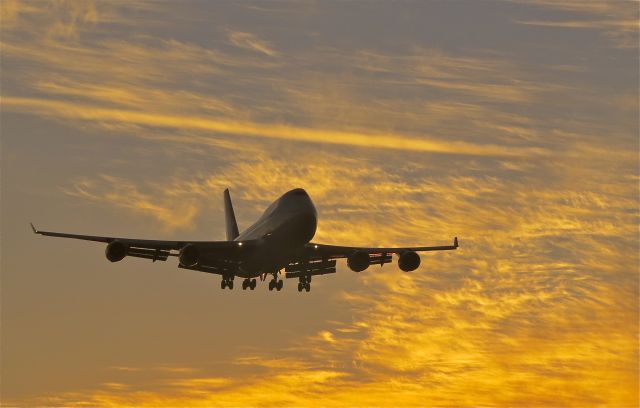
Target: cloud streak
[
  {"x": 272, "y": 131},
  {"x": 250, "y": 42}
]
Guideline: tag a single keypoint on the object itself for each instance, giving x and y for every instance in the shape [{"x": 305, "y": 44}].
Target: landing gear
[
  {"x": 249, "y": 283},
  {"x": 227, "y": 282},
  {"x": 304, "y": 284},
  {"x": 276, "y": 283}
]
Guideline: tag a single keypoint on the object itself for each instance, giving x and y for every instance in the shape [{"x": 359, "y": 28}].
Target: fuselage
[{"x": 284, "y": 228}]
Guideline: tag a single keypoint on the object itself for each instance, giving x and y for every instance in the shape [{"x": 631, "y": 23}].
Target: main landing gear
[
  {"x": 304, "y": 284},
  {"x": 227, "y": 282},
  {"x": 276, "y": 283},
  {"x": 249, "y": 283}
]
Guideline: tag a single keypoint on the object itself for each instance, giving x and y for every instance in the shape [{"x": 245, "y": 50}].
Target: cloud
[
  {"x": 70, "y": 15},
  {"x": 509, "y": 315},
  {"x": 250, "y": 42},
  {"x": 169, "y": 211},
  {"x": 618, "y": 20},
  {"x": 272, "y": 131},
  {"x": 539, "y": 305}
]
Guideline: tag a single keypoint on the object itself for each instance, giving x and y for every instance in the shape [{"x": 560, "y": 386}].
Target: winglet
[
  {"x": 455, "y": 242},
  {"x": 35, "y": 231}
]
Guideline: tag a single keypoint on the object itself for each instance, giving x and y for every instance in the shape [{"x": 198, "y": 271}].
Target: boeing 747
[{"x": 280, "y": 240}]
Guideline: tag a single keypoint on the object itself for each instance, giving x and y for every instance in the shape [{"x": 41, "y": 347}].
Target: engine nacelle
[
  {"x": 409, "y": 261},
  {"x": 189, "y": 255},
  {"x": 358, "y": 261},
  {"x": 116, "y": 251}
]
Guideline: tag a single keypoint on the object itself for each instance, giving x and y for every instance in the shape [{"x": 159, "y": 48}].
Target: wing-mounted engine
[
  {"x": 189, "y": 255},
  {"x": 358, "y": 261},
  {"x": 409, "y": 261},
  {"x": 116, "y": 251}
]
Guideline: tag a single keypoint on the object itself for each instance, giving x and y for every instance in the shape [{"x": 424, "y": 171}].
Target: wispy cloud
[
  {"x": 169, "y": 212},
  {"x": 532, "y": 165},
  {"x": 617, "y": 20},
  {"x": 506, "y": 306},
  {"x": 272, "y": 131},
  {"x": 251, "y": 42}
]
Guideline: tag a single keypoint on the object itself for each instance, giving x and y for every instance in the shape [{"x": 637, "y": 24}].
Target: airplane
[{"x": 279, "y": 240}]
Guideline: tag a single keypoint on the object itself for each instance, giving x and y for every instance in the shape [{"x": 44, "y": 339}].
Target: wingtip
[
  {"x": 35, "y": 231},
  {"x": 455, "y": 242}
]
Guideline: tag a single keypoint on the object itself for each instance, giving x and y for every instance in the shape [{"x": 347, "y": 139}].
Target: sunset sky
[{"x": 510, "y": 124}]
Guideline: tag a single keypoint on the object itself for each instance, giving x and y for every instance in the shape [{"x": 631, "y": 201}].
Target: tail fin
[{"x": 230, "y": 217}]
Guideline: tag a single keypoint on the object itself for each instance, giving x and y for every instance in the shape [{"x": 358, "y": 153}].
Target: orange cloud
[
  {"x": 272, "y": 131},
  {"x": 538, "y": 307},
  {"x": 169, "y": 212}
]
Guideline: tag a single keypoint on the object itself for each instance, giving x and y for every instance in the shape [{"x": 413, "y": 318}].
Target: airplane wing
[
  {"x": 320, "y": 251},
  {"x": 320, "y": 259},
  {"x": 215, "y": 255}
]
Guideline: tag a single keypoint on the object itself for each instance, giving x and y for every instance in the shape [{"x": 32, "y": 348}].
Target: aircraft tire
[
  {"x": 299, "y": 286},
  {"x": 223, "y": 284},
  {"x": 230, "y": 285},
  {"x": 252, "y": 284},
  {"x": 307, "y": 287},
  {"x": 280, "y": 285},
  {"x": 270, "y": 285}
]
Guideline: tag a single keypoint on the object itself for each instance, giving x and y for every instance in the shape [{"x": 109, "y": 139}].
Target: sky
[{"x": 510, "y": 124}]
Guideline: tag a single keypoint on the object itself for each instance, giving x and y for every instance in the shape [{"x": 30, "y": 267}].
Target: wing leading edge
[
  {"x": 335, "y": 251},
  {"x": 139, "y": 243},
  {"x": 159, "y": 250}
]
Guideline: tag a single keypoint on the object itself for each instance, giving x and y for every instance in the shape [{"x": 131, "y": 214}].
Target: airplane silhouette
[{"x": 279, "y": 240}]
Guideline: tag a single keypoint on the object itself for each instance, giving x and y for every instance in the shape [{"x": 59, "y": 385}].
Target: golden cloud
[
  {"x": 272, "y": 131},
  {"x": 538, "y": 307}
]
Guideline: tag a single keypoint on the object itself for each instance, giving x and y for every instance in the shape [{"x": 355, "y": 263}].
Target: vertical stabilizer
[{"x": 230, "y": 217}]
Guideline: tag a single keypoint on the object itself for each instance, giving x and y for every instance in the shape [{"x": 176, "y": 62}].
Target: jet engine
[
  {"x": 358, "y": 261},
  {"x": 189, "y": 255},
  {"x": 116, "y": 251},
  {"x": 409, "y": 261}
]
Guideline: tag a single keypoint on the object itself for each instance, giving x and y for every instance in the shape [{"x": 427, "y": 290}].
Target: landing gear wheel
[
  {"x": 252, "y": 284},
  {"x": 280, "y": 284},
  {"x": 307, "y": 287},
  {"x": 230, "y": 284},
  {"x": 299, "y": 286},
  {"x": 223, "y": 284},
  {"x": 245, "y": 284},
  {"x": 271, "y": 284}
]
